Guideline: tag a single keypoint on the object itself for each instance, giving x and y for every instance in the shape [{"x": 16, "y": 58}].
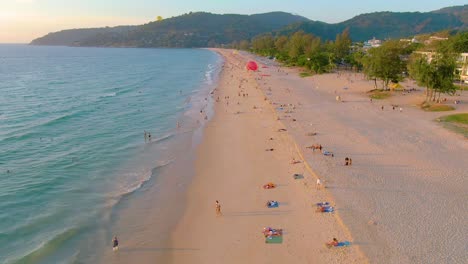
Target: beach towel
[
  {"x": 343, "y": 244},
  {"x": 328, "y": 209},
  {"x": 327, "y": 153},
  {"x": 274, "y": 240}
]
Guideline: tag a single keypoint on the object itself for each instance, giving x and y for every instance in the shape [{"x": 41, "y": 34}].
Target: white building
[{"x": 372, "y": 43}]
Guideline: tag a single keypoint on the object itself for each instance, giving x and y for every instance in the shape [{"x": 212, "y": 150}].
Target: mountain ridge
[{"x": 203, "y": 29}]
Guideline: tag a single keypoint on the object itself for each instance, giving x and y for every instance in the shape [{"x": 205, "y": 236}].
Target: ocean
[{"x": 72, "y": 144}]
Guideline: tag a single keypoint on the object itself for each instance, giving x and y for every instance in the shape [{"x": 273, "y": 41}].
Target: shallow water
[{"x": 72, "y": 124}]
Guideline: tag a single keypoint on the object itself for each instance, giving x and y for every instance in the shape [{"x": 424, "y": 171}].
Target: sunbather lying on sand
[
  {"x": 333, "y": 243},
  {"x": 294, "y": 161},
  {"x": 324, "y": 209},
  {"x": 315, "y": 146},
  {"x": 269, "y": 232},
  {"x": 271, "y": 149},
  {"x": 328, "y": 153},
  {"x": 336, "y": 243},
  {"x": 282, "y": 130},
  {"x": 269, "y": 185},
  {"x": 271, "y": 203}
]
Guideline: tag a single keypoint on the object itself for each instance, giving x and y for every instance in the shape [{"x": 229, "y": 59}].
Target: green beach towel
[{"x": 274, "y": 240}]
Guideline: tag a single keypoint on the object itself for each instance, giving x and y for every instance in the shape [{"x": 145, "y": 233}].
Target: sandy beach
[
  {"x": 391, "y": 203},
  {"x": 403, "y": 199},
  {"x": 232, "y": 166}
]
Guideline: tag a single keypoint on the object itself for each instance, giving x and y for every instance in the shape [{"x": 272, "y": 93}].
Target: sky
[{"x": 24, "y": 20}]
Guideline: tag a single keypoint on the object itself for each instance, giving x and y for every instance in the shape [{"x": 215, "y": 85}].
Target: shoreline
[
  {"x": 230, "y": 164},
  {"x": 201, "y": 231},
  {"x": 142, "y": 218}
]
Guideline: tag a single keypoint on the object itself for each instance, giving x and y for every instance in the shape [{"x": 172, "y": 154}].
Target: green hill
[
  {"x": 198, "y": 29},
  {"x": 202, "y": 29},
  {"x": 384, "y": 25}
]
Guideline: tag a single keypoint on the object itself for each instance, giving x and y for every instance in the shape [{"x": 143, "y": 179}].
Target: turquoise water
[{"x": 71, "y": 136}]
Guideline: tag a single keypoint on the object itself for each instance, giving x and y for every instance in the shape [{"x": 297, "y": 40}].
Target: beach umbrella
[{"x": 252, "y": 66}]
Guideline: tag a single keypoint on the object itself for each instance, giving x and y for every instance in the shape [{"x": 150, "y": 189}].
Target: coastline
[
  {"x": 144, "y": 218},
  {"x": 231, "y": 167}
]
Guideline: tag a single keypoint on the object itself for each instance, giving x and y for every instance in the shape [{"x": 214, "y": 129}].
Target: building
[
  {"x": 462, "y": 67},
  {"x": 372, "y": 43},
  {"x": 462, "y": 63}
]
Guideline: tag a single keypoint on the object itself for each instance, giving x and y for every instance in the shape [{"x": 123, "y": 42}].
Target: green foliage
[
  {"x": 457, "y": 118},
  {"x": 459, "y": 43},
  {"x": 342, "y": 45},
  {"x": 385, "y": 25},
  {"x": 461, "y": 87},
  {"x": 385, "y": 62},
  {"x": 200, "y": 29},
  {"x": 435, "y": 71},
  {"x": 305, "y": 74},
  {"x": 457, "y": 123},
  {"x": 379, "y": 94},
  {"x": 197, "y": 29}
]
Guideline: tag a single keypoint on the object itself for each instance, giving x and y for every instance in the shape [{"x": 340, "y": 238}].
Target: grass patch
[
  {"x": 379, "y": 94},
  {"x": 457, "y": 118},
  {"x": 462, "y": 87},
  {"x": 436, "y": 107},
  {"x": 457, "y": 123},
  {"x": 305, "y": 74}
]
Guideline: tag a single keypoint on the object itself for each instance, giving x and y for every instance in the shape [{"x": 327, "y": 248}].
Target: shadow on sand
[
  {"x": 256, "y": 213},
  {"x": 143, "y": 249}
]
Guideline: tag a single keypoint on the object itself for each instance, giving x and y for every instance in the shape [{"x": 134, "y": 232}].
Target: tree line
[{"x": 433, "y": 66}]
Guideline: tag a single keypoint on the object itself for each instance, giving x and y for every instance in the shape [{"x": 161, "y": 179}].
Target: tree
[
  {"x": 159, "y": 18},
  {"x": 244, "y": 45},
  {"x": 385, "y": 63},
  {"x": 342, "y": 45},
  {"x": 459, "y": 43},
  {"x": 296, "y": 45},
  {"x": 435, "y": 71},
  {"x": 264, "y": 45}
]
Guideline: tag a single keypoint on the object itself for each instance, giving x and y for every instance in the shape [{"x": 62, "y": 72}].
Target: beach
[
  {"x": 232, "y": 166},
  {"x": 391, "y": 203},
  {"x": 401, "y": 201}
]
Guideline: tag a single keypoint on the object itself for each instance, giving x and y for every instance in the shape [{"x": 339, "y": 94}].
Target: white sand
[
  {"x": 232, "y": 167},
  {"x": 405, "y": 197}
]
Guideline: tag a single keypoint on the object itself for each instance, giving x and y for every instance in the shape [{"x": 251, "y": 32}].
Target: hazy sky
[{"x": 23, "y": 20}]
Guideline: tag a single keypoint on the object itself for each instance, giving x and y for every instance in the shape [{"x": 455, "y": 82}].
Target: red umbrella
[{"x": 252, "y": 66}]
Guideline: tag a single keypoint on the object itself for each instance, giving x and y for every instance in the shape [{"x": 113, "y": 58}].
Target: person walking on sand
[
  {"x": 318, "y": 186},
  {"x": 218, "y": 208},
  {"x": 115, "y": 244}
]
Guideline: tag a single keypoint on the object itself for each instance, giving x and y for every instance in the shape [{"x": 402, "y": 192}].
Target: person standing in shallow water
[{"x": 115, "y": 244}]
